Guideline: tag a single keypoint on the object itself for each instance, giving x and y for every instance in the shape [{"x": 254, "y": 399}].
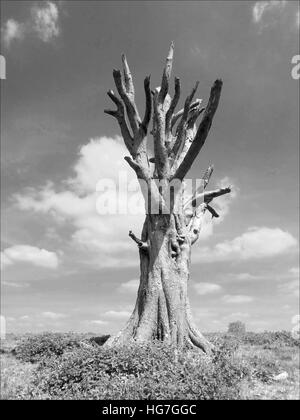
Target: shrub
[
  {"x": 152, "y": 371},
  {"x": 99, "y": 340},
  {"x": 36, "y": 347},
  {"x": 271, "y": 340},
  {"x": 236, "y": 328}
]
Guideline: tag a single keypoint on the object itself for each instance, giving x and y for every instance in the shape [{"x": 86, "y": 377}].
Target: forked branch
[{"x": 206, "y": 197}]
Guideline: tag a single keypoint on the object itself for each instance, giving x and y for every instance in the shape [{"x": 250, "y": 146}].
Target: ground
[
  {"x": 266, "y": 362},
  {"x": 287, "y": 360}
]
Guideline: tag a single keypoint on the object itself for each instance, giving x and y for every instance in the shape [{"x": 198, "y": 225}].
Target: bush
[
  {"x": 152, "y": 371},
  {"x": 99, "y": 340},
  {"x": 37, "y": 347},
  {"x": 236, "y": 328},
  {"x": 271, "y": 340}
]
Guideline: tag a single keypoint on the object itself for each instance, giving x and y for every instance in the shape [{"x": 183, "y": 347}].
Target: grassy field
[{"x": 54, "y": 366}]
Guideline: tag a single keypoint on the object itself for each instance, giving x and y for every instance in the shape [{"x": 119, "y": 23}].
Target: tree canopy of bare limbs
[{"x": 162, "y": 310}]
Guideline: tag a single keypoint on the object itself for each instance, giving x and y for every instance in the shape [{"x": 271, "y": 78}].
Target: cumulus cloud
[
  {"x": 24, "y": 317},
  {"x": 206, "y": 288},
  {"x": 103, "y": 238},
  {"x": 264, "y": 9},
  {"x": 267, "y": 14},
  {"x": 116, "y": 315},
  {"x": 97, "y": 322},
  {"x": 130, "y": 286},
  {"x": 5, "y": 261},
  {"x": 237, "y": 299},
  {"x": 45, "y": 21},
  {"x": 256, "y": 242},
  {"x": 12, "y": 30},
  {"x": 13, "y": 284},
  {"x": 246, "y": 277},
  {"x": 29, "y": 254},
  {"x": 53, "y": 315}
]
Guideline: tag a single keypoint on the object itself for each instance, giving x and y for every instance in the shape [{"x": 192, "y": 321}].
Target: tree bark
[{"x": 162, "y": 310}]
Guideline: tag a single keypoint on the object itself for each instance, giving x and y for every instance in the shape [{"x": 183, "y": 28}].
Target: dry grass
[
  {"x": 16, "y": 378},
  {"x": 287, "y": 360}
]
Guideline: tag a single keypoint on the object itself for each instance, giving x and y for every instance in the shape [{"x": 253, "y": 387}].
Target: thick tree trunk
[{"x": 162, "y": 308}]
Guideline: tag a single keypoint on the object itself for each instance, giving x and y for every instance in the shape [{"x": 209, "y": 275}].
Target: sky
[{"x": 66, "y": 267}]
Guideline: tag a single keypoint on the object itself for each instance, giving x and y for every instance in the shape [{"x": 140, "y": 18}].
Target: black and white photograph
[{"x": 149, "y": 203}]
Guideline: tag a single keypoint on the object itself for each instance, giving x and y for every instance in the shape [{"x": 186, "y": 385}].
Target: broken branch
[
  {"x": 173, "y": 104},
  {"x": 119, "y": 115},
  {"x": 142, "y": 245},
  {"x": 202, "y": 131},
  {"x": 166, "y": 75},
  {"x": 148, "y": 108}
]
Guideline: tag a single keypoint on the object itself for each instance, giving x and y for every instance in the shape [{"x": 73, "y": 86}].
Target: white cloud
[
  {"x": 130, "y": 286},
  {"x": 256, "y": 242},
  {"x": 285, "y": 275},
  {"x": 29, "y": 254},
  {"x": 102, "y": 240},
  {"x": 261, "y": 9},
  {"x": 117, "y": 314},
  {"x": 101, "y": 158},
  {"x": 13, "y": 284},
  {"x": 97, "y": 322},
  {"x": 10, "y": 318},
  {"x": 24, "y": 317},
  {"x": 246, "y": 276},
  {"x": 237, "y": 299},
  {"x": 53, "y": 315},
  {"x": 5, "y": 261},
  {"x": 237, "y": 315},
  {"x": 45, "y": 21},
  {"x": 94, "y": 234},
  {"x": 267, "y": 14},
  {"x": 206, "y": 288},
  {"x": 11, "y": 31}
]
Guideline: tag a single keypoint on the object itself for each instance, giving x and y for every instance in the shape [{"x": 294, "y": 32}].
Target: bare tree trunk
[{"x": 162, "y": 309}]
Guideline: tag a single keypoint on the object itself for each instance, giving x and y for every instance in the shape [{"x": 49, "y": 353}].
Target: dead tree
[{"x": 173, "y": 222}]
